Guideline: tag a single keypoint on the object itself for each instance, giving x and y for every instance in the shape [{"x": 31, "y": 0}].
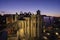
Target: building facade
[{"x": 30, "y": 26}]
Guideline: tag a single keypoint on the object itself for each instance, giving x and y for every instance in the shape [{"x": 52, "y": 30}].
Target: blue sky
[{"x": 47, "y": 7}]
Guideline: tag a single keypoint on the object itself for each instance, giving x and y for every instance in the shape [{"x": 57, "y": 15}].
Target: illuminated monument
[{"x": 30, "y": 26}]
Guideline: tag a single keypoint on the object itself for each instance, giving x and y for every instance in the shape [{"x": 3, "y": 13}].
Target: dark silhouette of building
[{"x": 2, "y": 22}]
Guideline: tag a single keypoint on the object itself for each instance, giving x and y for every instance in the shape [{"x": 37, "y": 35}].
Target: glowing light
[
  {"x": 45, "y": 37},
  {"x": 48, "y": 33},
  {"x": 44, "y": 30},
  {"x": 57, "y": 33}
]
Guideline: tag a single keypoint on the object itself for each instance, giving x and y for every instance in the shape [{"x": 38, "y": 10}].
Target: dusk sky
[{"x": 47, "y": 7}]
